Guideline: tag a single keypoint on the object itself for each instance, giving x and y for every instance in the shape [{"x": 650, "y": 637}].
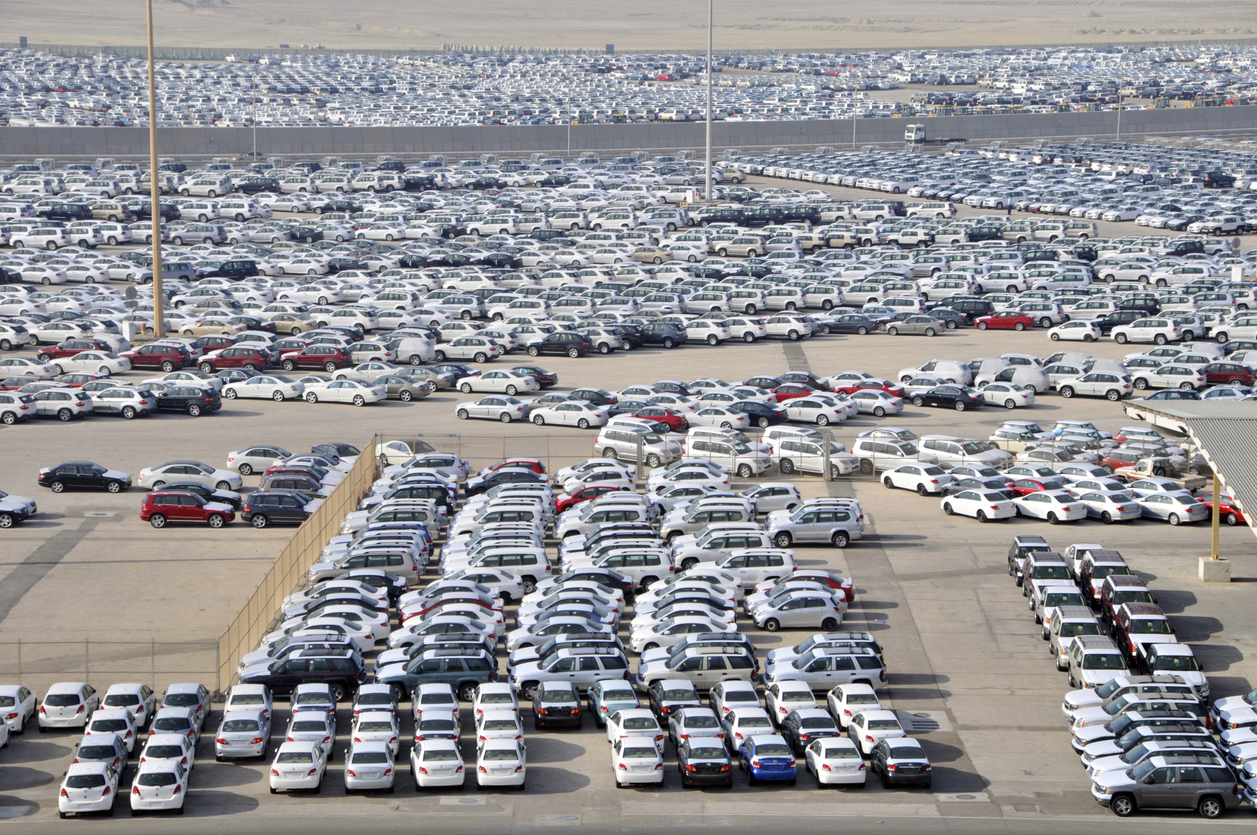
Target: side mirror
[{"x": 1148, "y": 780}]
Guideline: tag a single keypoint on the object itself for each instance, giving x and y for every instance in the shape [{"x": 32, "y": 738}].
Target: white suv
[{"x": 1158, "y": 330}]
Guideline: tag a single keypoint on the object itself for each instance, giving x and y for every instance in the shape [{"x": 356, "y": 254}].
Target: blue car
[{"x": 767, "y": 757}]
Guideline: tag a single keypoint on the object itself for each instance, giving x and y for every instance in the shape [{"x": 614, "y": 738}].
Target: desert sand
[{"x": 802, "y": 25}]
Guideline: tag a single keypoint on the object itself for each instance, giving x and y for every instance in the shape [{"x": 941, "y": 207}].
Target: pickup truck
[{"x": 1156, "y": 467}]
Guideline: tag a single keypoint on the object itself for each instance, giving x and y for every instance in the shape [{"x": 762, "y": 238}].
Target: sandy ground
[{"x": 643, "y": 25}]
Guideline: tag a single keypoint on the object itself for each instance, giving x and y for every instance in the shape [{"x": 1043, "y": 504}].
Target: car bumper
[
  {"x": 286, "y": 784},
  {"x": 234, "y": 751},
  {"x": 139, "y": 804},
  {"x": 515, "y": 779},
  {"x": 383, "y": 781},
  {"x": 857, "y": 777},
  {"x": 632, "y": 778},
  {"x": 783, "y": 775},
  {"x": 79, "y": 721},
  {"x": 85, "y": 807}
]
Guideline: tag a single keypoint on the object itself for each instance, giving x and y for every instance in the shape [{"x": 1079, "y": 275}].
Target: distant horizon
[{"x": 646, "y": 26}]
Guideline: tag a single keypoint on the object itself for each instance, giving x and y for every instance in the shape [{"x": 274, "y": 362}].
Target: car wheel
[
  {"x": 922, "y": 491},
  {"x": 359, "y": 400},
  {"x": 168, "y": 366},
  {"x": 1120, "y": 339},
  {"x": 879, "y": 412},
  {"x": 311, "y": 397},
  {"x": 1174, "y": 519},
  {"x": 260, "y": 521},
  {"x": 893, "y": 331},
  {"x": 772, "y": 625},
  {"x": 890, "y": 485},
  {"x": 157, "y": 520},
  {"x": 1051, "y": 518},
  {"x": 216, "y": 520},
  {"x": 1231, "y": 518},
  {"x": 1159, "y": 339},
  {"x": 653, "y": 461},
  {"x": 1123, "y": 805},
  {"x": 947, "y": 508},
  {"x": 194, "y": 409}
]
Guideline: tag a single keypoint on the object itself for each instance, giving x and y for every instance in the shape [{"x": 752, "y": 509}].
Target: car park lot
[{"x": 962, "y": 650}]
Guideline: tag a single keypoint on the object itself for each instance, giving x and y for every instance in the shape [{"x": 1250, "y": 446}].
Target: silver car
[{"x": 500, "y": 407}]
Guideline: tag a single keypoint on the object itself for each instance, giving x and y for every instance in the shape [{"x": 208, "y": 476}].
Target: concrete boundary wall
[{"x": 76, "y": 143}]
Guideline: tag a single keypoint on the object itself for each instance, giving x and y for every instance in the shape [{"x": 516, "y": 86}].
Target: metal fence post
[
  {"x": 19, "y": 659},
  {"x": 87, "y": 658},
  {"x": 152, "y": 660}
]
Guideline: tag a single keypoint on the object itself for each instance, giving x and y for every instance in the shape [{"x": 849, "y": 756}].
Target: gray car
[
  {"x": 1180, "y": 781},
  {"x": 128, "y": 402}
]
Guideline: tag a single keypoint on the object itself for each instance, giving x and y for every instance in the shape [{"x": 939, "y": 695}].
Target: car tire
[
  {"x": 762, "y": 423},
  {"x": 260, "y": 521},
  {"x": 745, "y": 471},
  {"x": 1174, "y": 519},
  {"x": 311, "y": 397},
  {"x": 157, "y": 520},
  {"x": 772, "y": 625},
  {"x": 539, "y": 420},
  {"x": 786, "y": 466},
  {"x": 879, "y": 412},
  {"x": 1160, "y": 339},
  {"x": 1123, "y": 805},
  {"x": 893, "y": 331},
  {"x": 947, "y": 508},
  {"x": 359, "y": 400},
  {"x": 216, "y": 520},
  {"x": 1052, "y": 519},
  {"x": 1120, "y": 339}
]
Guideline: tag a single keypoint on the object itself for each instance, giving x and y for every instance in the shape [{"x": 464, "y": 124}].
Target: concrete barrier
[{"x": 77, "y": 143}]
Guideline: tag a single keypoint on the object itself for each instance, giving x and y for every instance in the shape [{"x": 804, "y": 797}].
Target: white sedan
[
  {"x": 720, "y": 418},
  {"x": 264, "y": 387},
  {"x": 1078, "y": 330},
  {"x": 498, "y": 407},
  {"x": 507, "y": 382},
  {"x": 836, "y": 762},
  {"x": 94, "y": 362},
  {"x": 298, "y": 766},
  {"x": 877, "y": 403},
  {"x": 820, "y": 411},
  {"x": 573, "y": 413},
  {"x": 924, "y": 478},
  {"x": 345, "y": 391},
  {"x": 636, "y": 760},
  {"x": 194, "y": 472},
  {"x": 983, "y": 506},
  {"x": 1052, "y": 505},
  {"x": 1008, "y": 395},
  {"x": 501, "y": 762},
  {"x": 22, "y": 366},
  {"x": 436, "y": 763}
]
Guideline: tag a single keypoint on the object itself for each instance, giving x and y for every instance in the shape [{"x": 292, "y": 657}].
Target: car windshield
[
  {"x": 638, "y": 753},
  {"x": 1142, "y": 770},
  {"x": 500, "y": 725},
  {"x": 702, "y": 720},
  {"x": 753, "y": 722},
  {"x": 375, "y": 727},
  {"x": 1073, "y": 630},
  {"x": 186, "y": 700},
  {"x": 85, "y": 781},
  {"x": 741, "y": 696},
  {"x": 564, "y": 697},
  {"x": 503, "y": 698},
  {"x": 1151, "y": 626},
  {"x": 114, "y": 700},
  {"x": 240, "y": 726},
  {"x": 109, "y": 725},
  {"x": 172, "y": 724},
  {"x": 157, "y": 778},
  {"x": 163, "y": 752},
  {"x": 772, "y": 749},
  {"x": 370, "y": 758},
  {"x": 1178, "y": 663},
  {"x": 1103, "y": 661},
  {"x": 294, "y": 757},
  {"x": 434, "y": 699},
  {"x": 500, "y": 755},
  {"x": 679, "y": 696}
]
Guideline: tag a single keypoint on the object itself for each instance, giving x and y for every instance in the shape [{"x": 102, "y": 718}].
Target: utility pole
[
  {"x": 707, "y": 175},
  {"x": 1119, "y": 117},
  {"x": 159, "y": 317},
  {"x": 254, "y": 76}
]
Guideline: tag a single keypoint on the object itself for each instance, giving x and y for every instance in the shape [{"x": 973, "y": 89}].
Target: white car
[
  {"x": 498, "y": 407},
  {"x": 18, "y": 704},
  {"x": 94, "y": 362},
  {"x": 846, "y": 700},
  {"x": 370, "y": 766},
  {"x": 1052, "y": 505},
  {"x": 501, "y": 762},
  {"x": 876, "y": 403},
  {"x": 1104, "y": 384},
  {"x": 159, "y": 785},
  {"x": 244, "y": 731},
  {"x": 1157, "y": 329},
  {"x": 718, "y": 417},
  {"x": 298, "y": 766},
  {"x": 505, "y": 382},
  {"x": 436, "y": 763},
  {"x": 836, "y": 762},
  {"x": 923, "y": 478},
  {"x": 1076, "y": 330},
  {"x": 169, "y": 747},
  {"x": 474, "y": 348},
  {"x": 265, "y": 387},
  {"x": 23, "y": 366},
  {"x": 636, "y": 761},
  {"x": 577, "y": 413},
  {"x": 980, "y": 504},
  {"x": 868, "y": 727},
  {"x": 1008, "y": 395},
  {"x": 821, "y": 411},
  {"x": 634, "y": 722},
  {"x": 344, "y": 391},
  {"x": 175, "y": 472},
  {"x": 88, "y": 787}
]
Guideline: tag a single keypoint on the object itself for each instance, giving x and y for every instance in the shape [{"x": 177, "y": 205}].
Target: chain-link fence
[
  {"x": 39, "y": 664},
  {"x": 302, "y": 551}
]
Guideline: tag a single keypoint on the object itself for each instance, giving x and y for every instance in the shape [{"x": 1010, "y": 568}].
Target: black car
[
  {"x": 83, "y": 475},
  {"x": 193, "y": 400},
  {"x": 480, "y": 484},
  {"x": 762, "y": 415},
  {"x": 292, "y": 481},
  {"x": 949, "y": 397},
  {"x": 545, "y": 379},
  {"x": 765, "y": 382},
  {"x": 666, "y": 696},
  {"x": 852, "y": 323},
  {"x": 805, "y": 378},
  {"x": 264, "y": 507},
  {"x": 802, "y": 731},
  {"x": 629, "y": 332},
  {"x": 703, "y": 761},
  {"x": 563, "y": 342},
  {"x": 222, "y": 496},
  {"x": 602, "y": 576},
  {"x": 256, "y": 185},
  {"x": 457, "y": 369},
  {"x": 342, "y": 670},
  {"x": 336, "y": 450},
  {"x": 547, "y": 234},
  {"x": 662, "y": 333},
  {"x": 598, "y": 397},
  {"x": 1145, "y": 306},
  {"x": 901, "y": 762},
  {"x": 556, "y": 703},
  {"x": 436, "y": 492},
  {"x": 66, "y": 211},
  {"x": 971, "y": 309},
  {"x": 950, "y": 318},
  {"x": 1119, "y": 317}
]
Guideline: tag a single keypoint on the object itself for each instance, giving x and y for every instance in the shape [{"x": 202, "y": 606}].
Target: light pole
[
  {"x": 1119, "y": 117},
  {"x": 159, "y": 319},
  {"x": 707, "y": 173},
  {"x": 254, "y": 76}
]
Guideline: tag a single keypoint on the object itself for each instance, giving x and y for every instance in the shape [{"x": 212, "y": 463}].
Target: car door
[{"x": 820, "y": 673}]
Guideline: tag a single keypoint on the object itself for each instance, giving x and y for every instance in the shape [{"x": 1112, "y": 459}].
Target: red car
[
  {"x": 805, "y": 575},
  {"x": 427, "y": 606},
  {"x": 1004, "y": 321},
  {"x": 872, "y": 383},
  {"x": 1228, "y": 373},
  {"x": 69, "y": 348},
  {"x": 675, "y": 420},
  {"x": 77, "y": 380},
  {"x": 157, "y": 355},
  {"x": 533, "y": 464},
  {"x": 15, "y": 383},
  {"x": 584, "y": 494},
  {"x": 254, "y": 359},
  {"x": 791, "y": 391},
  {"x": 1025, "y": 486},
  {"x": 327, "y": 357},
  {"x": 163, "y": 506},
  {"x": 1230, "y": 513}
]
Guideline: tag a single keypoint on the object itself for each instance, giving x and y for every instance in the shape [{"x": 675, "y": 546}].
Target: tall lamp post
[
  {"x": 159, "y": 318},
  {"x": 707, "y": 176}
]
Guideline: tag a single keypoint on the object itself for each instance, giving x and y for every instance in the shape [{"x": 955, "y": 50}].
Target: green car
[
  {"x": 608, "y": 696},
  {"x": 463, "y": 670}
]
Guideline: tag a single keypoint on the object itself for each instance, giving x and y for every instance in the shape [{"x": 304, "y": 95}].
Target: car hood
[
  {"x": 219, "y": 506},
  {"x": 1112, "y": 779},
  {"x": 18, "y": 501}
]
